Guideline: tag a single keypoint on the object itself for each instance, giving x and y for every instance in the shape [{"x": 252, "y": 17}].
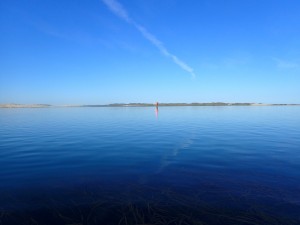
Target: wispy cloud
[
  {"x": 120, "y": 11},
  {"x": 283, "y": 64}
]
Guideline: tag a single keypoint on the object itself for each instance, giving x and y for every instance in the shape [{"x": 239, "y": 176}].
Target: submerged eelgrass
[{"x": 143, "y": 205}]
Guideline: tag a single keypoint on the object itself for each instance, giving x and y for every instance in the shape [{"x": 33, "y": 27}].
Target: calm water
[{"x": 181, "y": 165}]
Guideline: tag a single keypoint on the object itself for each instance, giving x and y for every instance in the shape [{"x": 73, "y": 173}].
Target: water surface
[{"x": 180, "y": 165}]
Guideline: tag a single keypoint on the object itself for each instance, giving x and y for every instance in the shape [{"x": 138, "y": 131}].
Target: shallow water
[{"x": 180, "y": 165}]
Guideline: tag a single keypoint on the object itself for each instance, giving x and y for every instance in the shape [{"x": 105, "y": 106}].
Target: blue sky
[{"x": 107, "y": 51}]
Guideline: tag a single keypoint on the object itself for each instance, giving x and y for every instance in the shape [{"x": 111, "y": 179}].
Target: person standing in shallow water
[{"x": 156, "y": 109}]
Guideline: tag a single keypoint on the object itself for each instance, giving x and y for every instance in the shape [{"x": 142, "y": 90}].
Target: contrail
[{"x": 120, "y": 11}]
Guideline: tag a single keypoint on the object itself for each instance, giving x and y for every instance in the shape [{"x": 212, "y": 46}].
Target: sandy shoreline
[{"x": 140, "y": 105}]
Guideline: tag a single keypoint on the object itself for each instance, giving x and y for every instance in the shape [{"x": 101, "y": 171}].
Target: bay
[{"x": 139, "y": 165}]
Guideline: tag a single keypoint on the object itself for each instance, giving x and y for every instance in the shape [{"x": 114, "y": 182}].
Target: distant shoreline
[{"x": 141, "y": 105}]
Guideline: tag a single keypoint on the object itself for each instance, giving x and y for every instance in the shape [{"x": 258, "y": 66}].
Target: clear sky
[{"x": 107, "y": 51}]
